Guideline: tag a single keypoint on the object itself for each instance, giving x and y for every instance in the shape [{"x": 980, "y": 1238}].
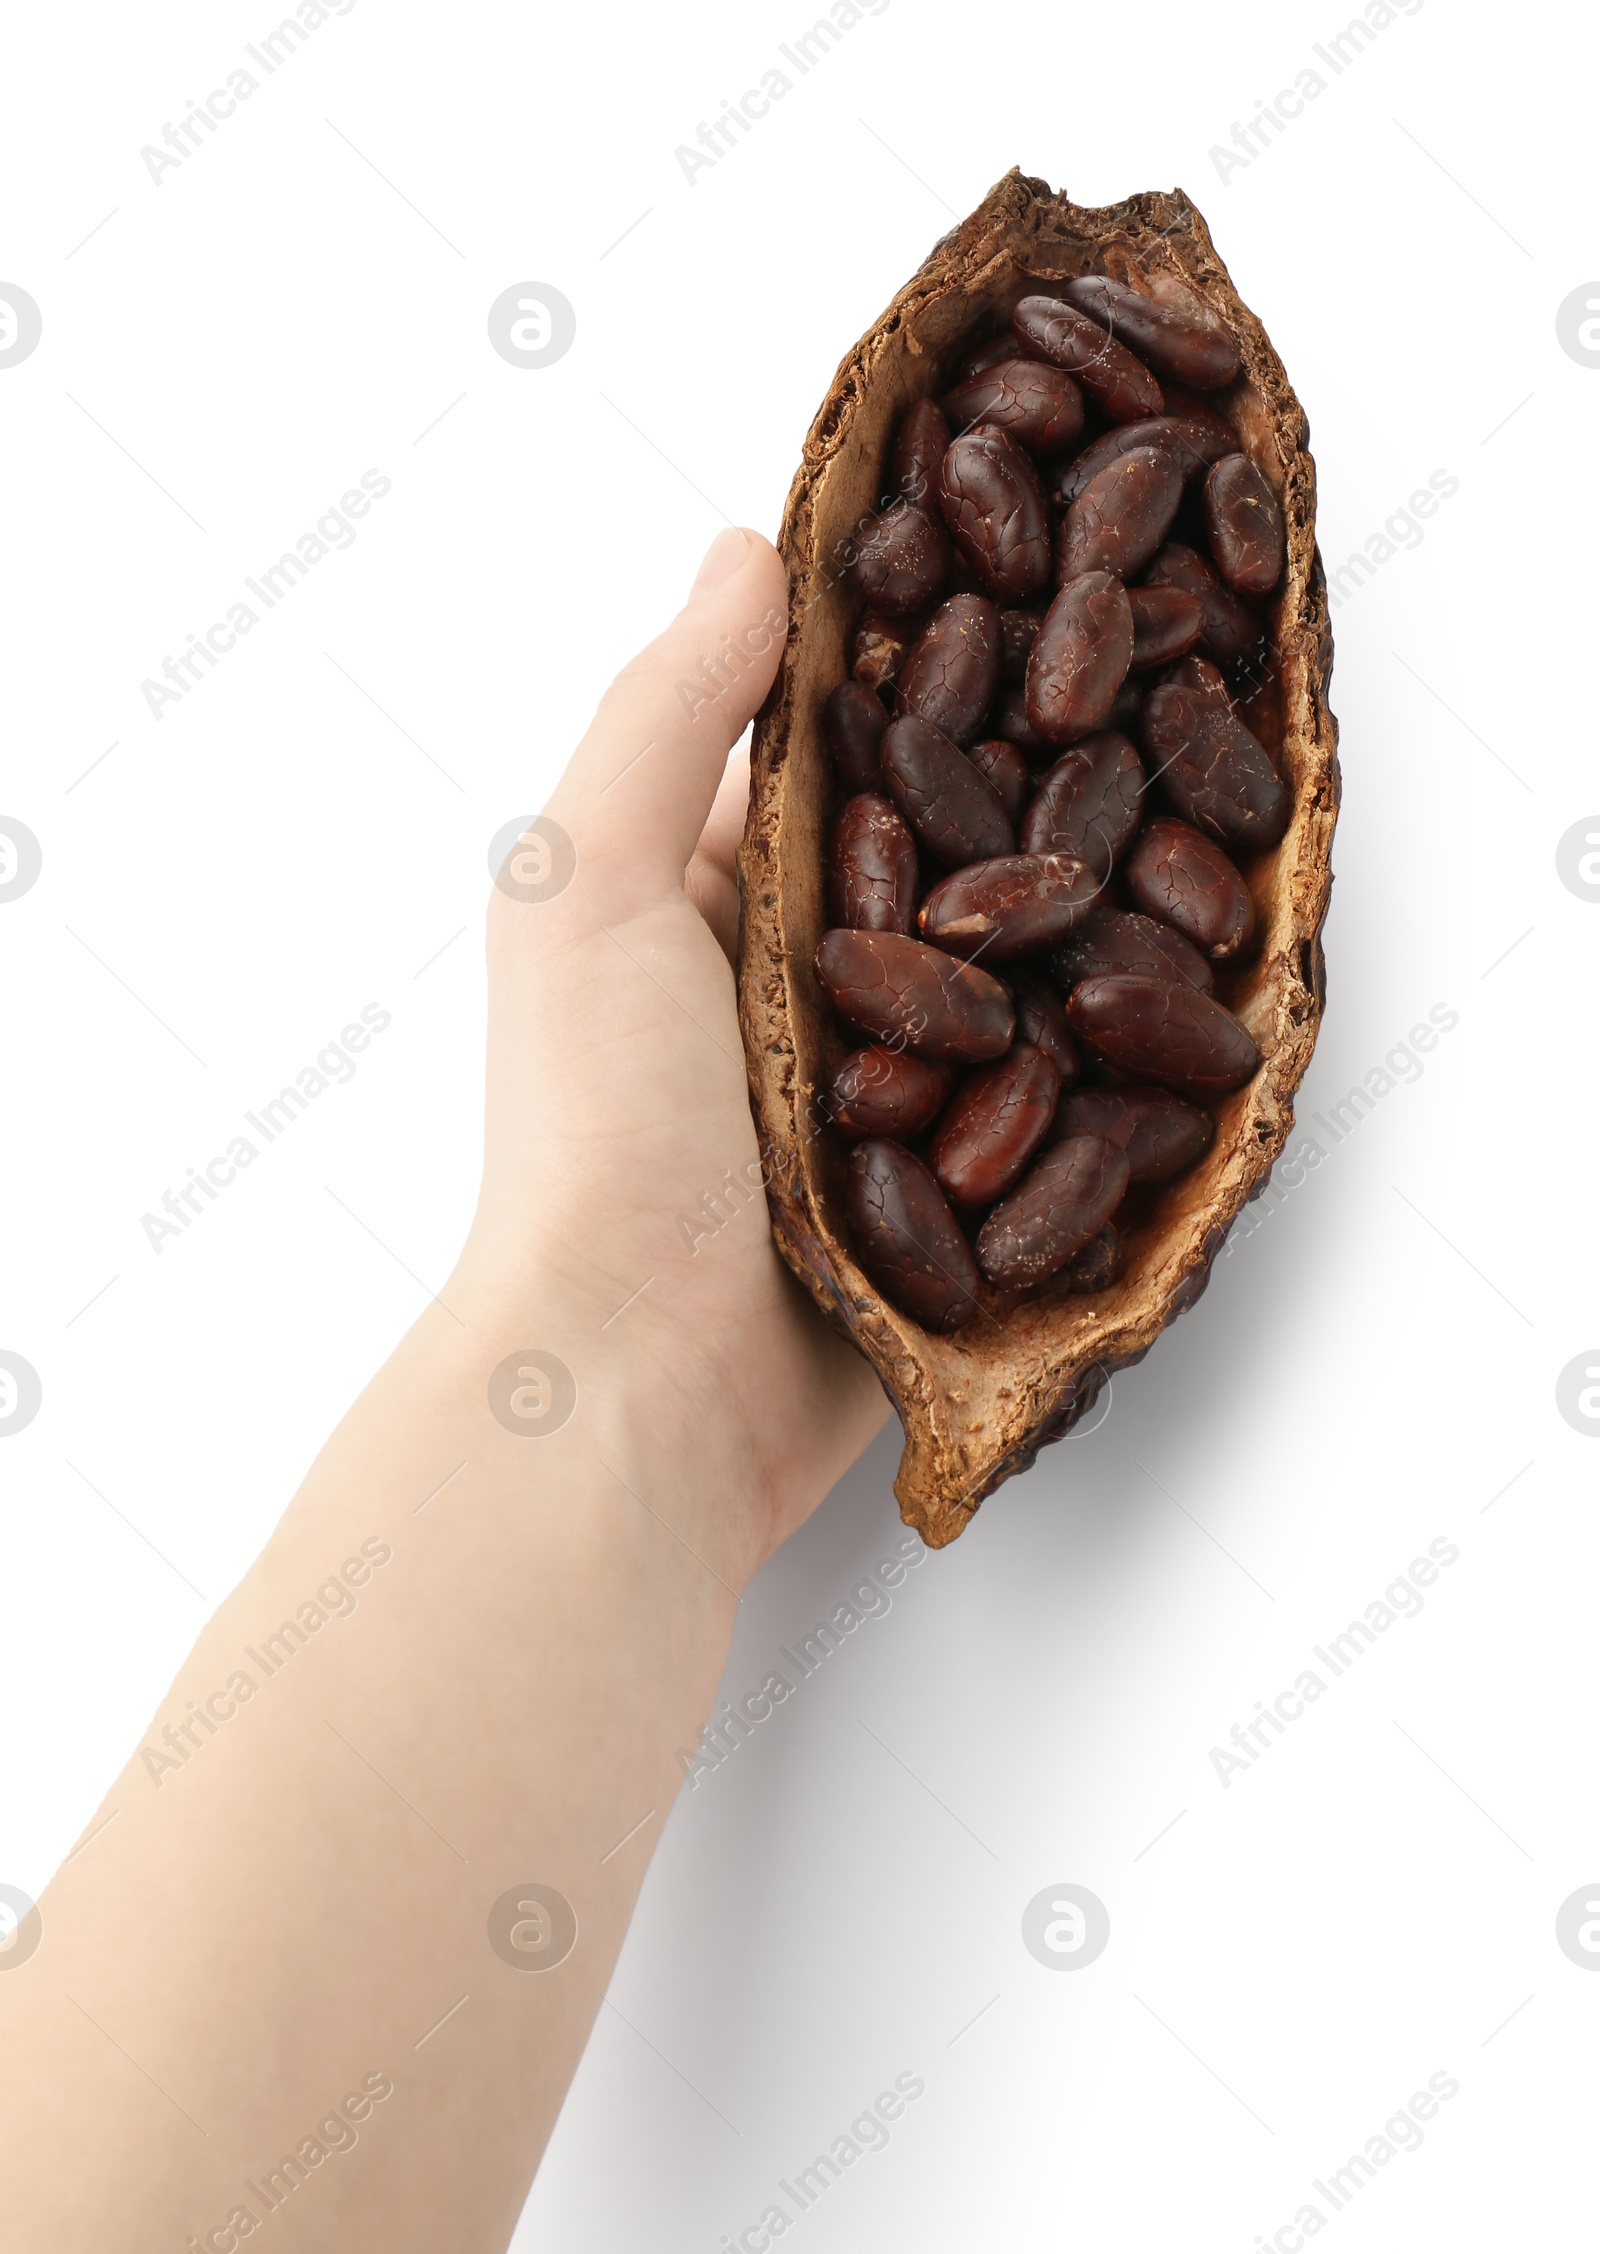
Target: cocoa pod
[{"x": 984, "y": 1372}]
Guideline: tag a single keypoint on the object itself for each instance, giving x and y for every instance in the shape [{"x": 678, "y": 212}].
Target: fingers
[{"x": 640, "y": 786}]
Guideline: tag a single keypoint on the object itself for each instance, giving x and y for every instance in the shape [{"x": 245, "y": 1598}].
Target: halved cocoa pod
[{"x": 978, "y": 1402}]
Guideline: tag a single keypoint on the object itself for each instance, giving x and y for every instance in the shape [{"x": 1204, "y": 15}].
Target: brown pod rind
[{"x": 977, "y": 1405}]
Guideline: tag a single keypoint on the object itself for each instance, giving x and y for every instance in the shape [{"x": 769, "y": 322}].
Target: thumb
[{"x": 637, "y": 790}]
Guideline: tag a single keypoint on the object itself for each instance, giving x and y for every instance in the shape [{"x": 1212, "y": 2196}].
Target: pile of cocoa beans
[{"x": 1046, "y": 790}]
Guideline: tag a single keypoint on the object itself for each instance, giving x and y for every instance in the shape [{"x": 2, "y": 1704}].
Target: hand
[{"x": 621, "y": 1157}]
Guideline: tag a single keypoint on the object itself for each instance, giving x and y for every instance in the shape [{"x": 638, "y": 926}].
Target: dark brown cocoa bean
[
  {"x": 989, "y": 492},
  {"x": 1161, "y": 1134},
  {"x": 1244, "y": 525},
  {"x": 1212, "y": 768},
  {"x": 1081, "y": 657},
  {"x": 1004, "y": 766},
  {"x": 907, "y": 1238},
  {"x": 1196, "y": 673},
  {"x": 1016, "y": 905},
  {"x": 1092, "y": 1268},
  {"x": 1090, "y": 803},
  {"x": 918, "y": 450},
  {"x": 878, "y": 1091},
  {"x": 879, "y": 645},
  {"x": 873, "y": 867},
  {"x": 901, "y": 558},
  {"x": 910, "y": 995},
  {"x": 1180, "y": 347},
  {"x": 1039, "y": 405},
  {"x": 1042, "y": 1022},
  {"x": 999, "y": 1118},
  {"x": 955, "y": 811},
  {"x": 1127, "y": 706},
  {"x": 1122, "y": 387},
  {"x": 1110, "y": 943},
  {"x": 1010, "y": 720},
  {"x": 1194, "y": 440},
  {"x": 953, "y": 670},
  {"x": 1121, "y": 517},
  {"x": 1006, "y": 346},
  {"x": 1157, "y": 1031},
  {"x": 1166, "y": 622},
  {"x": 1019, "y": 630},
  {"x": 1231, "y": 631},
  {"x": 853, "y": 721},
  {"x": 1181, "y": 877},
  {"x": 1066, "y": 1198}
]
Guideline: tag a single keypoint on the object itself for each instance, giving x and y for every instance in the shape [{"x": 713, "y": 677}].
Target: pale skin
[{"x": 295, "y": 1904}]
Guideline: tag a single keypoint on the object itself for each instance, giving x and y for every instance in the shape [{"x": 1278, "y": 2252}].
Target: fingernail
[{"x": 721, "y": 560}]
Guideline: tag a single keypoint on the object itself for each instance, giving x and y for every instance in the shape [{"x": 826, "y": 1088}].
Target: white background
[{"x": 1373, "y": 1368}]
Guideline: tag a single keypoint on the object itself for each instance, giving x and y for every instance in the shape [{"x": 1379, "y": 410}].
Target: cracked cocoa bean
[
  {"x": 1173, "y": 1035},
  {"x": 1039, "y": 405},
  {"x": 1244, "y": 525},
  {"x": 1181, "y": 877},
  {"x": 1121, "y": 517},
  {"x": 955, "y": 811},
  {"x": 901, "y": 559},
  {"x": 1089, "y": 803},
  {"x": 950, "y": 677},
  {"x": 908, "y": 1240},
  {"x": 878, "y": 1091},
  {"x": 1004, "y": 766},
  {"x": 1231, "y": 631},
  {"x": 918, "y": 450},
  {"x": 1121, "y": 387},
  {"x": 990, "y": 495},
  {"x": 853, "y": 721},
  {"x": 1212, "y": 768},
  {"x": 1011, "y": 721},
  {"x": 906, "y": 994},
  {"x": 874, "y": 867},
  {"x": 994, "y": 1126},
  {"x": 878, "y": 647},
  {"x": 1016, "y": 905},
  {"x": 1179, "y": 346},
  {"x": 1042, "y": 1022},
  {"x": 1080, "y": 658},
  {"x": 1161, "y": 1135},
  {"x": 1110, "y": 943},
  {"x": 1166, "y": 622},
  {"x": 1194, "y": 439},
  {"x": 1065, "y": 1198}
]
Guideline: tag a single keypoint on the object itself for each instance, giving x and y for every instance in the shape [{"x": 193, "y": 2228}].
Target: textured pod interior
[{"x": 976, "y": 1407}]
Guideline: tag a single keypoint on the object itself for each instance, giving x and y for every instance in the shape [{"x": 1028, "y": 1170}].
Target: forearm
[{"x": 295, "y": 1879}]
